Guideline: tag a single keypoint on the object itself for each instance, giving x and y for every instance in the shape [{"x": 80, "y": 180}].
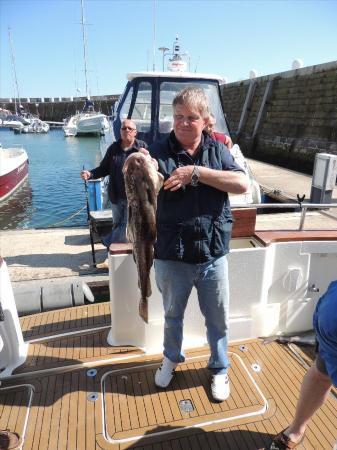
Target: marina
[
  {"x": 82, "y": 325},
  {"x": 54, "y": 190},
  {"x": 85, "y": 368},
  {"x": 50, "y": 246}
]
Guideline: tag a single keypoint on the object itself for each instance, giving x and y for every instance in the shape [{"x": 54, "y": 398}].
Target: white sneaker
[
  {"x": 220, "y": 387},
  {"x": 165, "y": 373}
]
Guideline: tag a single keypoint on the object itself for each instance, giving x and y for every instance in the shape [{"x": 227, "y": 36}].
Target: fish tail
[{"x": 144, "y": 310}]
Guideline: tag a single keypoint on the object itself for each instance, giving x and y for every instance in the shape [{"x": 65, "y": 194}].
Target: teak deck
[{"x": 57, "y": 401}]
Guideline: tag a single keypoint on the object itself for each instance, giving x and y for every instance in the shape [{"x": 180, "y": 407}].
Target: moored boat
[
  {"x": 13, "y": 170},
  {"x": 147, "y": 101},
  {"x": 86, "y": 123},
  {"x": 14, "y": 122},
  {"x": 35, "y": 126},
  {"x": 89, "y": 121}
]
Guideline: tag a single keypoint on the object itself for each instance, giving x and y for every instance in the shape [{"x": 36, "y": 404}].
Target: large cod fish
[{"x": 142, "y": 184}]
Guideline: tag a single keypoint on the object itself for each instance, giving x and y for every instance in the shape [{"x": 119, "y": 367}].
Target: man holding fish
[{"x": 193, "y": 231}]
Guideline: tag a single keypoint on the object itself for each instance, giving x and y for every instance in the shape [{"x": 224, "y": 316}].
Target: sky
[{"x": 224, "y": 37}]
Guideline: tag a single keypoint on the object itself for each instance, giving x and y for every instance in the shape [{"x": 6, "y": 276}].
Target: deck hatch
[
  {"x": 186, "y": 406},
  {"x": 133, "y": 408}
]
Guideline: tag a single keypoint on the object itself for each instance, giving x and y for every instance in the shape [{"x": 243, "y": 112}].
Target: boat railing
[{"x": 300, "y": 206}]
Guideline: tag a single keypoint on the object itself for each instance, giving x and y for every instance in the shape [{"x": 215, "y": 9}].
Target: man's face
[
  {"x": 187, "y": 124},
  {"x": 128, "y": 130}
]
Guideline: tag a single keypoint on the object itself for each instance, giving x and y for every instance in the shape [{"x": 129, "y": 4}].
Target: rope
[{"x": 67, "y": 218}]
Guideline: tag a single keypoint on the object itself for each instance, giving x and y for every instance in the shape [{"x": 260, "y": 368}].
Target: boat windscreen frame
[{"x": 153, "y": 134}]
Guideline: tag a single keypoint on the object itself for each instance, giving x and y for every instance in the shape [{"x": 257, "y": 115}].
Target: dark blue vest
[{"x": 193, "y": 223}]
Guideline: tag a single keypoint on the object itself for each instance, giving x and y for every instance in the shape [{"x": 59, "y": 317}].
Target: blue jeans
[
  {"x": 175, "y": 280},
  {"x": 119, "y": 216}
]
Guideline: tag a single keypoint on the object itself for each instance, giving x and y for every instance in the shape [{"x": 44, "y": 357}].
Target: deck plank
[
  {"x": 65, "y": 406},
  {"x": 66, "y": 319},
  {"x": 62, "y": 417},
  {"x": 73, "y": 411}
]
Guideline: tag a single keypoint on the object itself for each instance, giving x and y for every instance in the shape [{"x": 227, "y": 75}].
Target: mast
[
  {"x": 84, "y": 51},
  {"x": 154, "y": 36},
  {"x": 16, "y": 85}
]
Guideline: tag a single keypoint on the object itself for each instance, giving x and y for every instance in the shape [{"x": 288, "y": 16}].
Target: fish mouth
[{"x": 137, "y": 160}]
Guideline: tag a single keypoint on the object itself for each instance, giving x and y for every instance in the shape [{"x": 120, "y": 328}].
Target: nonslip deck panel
[
  {"x": 190, "y": 386},
  {"x": 62, "y": 417},
  {"x": 65, "y": 320},
  {"x": 70, "y": 350}
]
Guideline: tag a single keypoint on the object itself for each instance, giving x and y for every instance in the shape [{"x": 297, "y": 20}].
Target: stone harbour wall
[
  {"x": 57, "y": 109},
  {"x": 285, "y": 118}
]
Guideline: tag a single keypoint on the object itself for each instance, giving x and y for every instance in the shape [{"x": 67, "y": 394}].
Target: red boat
[{"x": 13, "y": 170}]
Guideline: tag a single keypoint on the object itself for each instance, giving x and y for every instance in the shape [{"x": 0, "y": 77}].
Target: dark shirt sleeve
[{"x": 142, "y": 144}]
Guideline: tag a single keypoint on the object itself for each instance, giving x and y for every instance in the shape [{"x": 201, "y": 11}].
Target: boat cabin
[{"x": 148, "y": 96}]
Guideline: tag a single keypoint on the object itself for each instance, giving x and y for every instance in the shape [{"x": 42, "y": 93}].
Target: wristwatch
[{"x": 195, "y": 176}]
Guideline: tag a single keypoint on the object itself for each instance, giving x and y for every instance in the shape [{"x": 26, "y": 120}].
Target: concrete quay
[
  {"x": 283, "y": 184},
  {"x": 44, "y": 254},
  {"x": 40, "y": 254}
]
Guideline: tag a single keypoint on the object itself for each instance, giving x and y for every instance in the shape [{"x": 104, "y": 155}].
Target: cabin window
[
  {"x": 169, "y": 89},
  {"x": 141, "y": 113},
  {"x": 124, "y": 112}
]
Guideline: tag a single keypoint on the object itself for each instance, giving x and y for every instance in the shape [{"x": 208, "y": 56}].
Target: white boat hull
[
  {"x": 13, "y": 124},
  {"x": 86, "y": 123},
  {"x": 275, "y": 297},
  {"x": 13, "y": 349},
  {"x": 36, "y": 126}
]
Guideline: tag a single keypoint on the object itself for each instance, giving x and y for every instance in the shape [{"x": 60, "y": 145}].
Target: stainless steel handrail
[{"x": 303, "y": 207}]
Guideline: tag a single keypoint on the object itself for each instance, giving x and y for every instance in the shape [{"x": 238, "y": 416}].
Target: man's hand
[
  {"x": 85, "y": 175},
  {"x": 179, "y": 178},
  {"x": 144, "y": 151}
]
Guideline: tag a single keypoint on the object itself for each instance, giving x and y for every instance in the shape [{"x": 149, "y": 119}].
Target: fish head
[{"x": 138, "y": 165}]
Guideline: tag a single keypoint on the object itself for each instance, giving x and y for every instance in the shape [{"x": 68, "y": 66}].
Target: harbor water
[{"x": 54, "y": 194}]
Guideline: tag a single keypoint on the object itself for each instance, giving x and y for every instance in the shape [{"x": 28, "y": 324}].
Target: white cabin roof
[{"x": 207, "y": 76}]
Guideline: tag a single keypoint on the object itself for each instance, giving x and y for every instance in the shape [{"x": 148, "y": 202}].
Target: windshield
[
  {"x": 141, "y": 114},
  {"x": 169, "y": 89}
]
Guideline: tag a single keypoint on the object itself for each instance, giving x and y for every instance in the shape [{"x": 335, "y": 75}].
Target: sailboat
[
  {"x": 22, "y": 122},
  {"x": 88, "y": 121}
]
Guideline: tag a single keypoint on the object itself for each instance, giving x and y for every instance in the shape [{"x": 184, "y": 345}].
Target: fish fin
[
  {"x": 128, "y": 228},
  {"x": 160, "y": 182},
  {"x": 149, "y": 290},
  {"x": 143, "y": 310}
]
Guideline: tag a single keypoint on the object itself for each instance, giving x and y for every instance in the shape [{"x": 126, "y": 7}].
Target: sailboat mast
[
  {"x": 154, "y": 36},
  {"x": 16, "y": 85},
  {"x": 84, "y": 51}
]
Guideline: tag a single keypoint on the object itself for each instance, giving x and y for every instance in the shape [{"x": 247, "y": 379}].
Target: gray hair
[
  {"x": 193, "y": 97},
  {"x": 129, "y": 120}
]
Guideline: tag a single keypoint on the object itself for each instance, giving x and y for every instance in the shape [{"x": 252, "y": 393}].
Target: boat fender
[
  {"x": 88, "y": 293},
  {"x": 28, "y": 299},
  {"x": 77, "y": 297},
  {"x": 256, "y": 192},
  {"x": 56, "y": 295}
]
